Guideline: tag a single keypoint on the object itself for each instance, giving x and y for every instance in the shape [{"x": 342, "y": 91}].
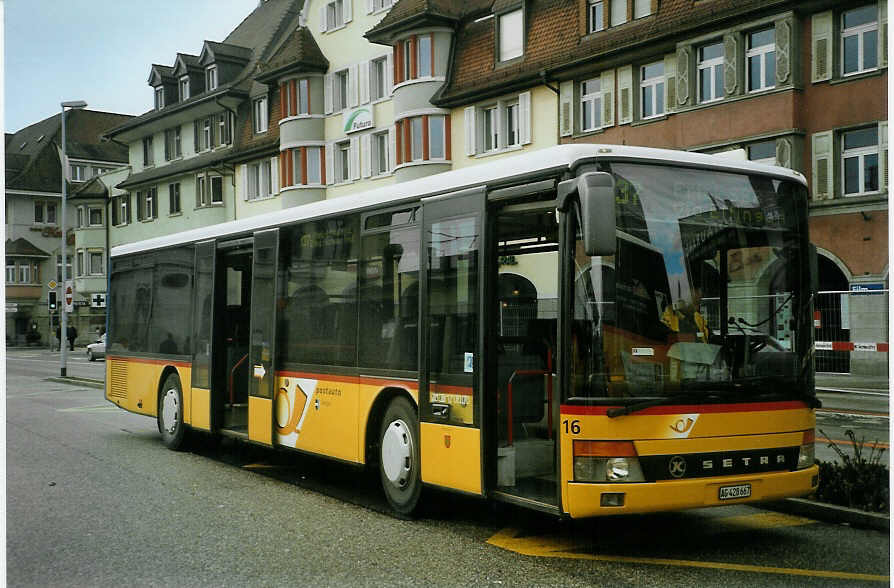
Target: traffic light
[{"x": 52, "y": 303}]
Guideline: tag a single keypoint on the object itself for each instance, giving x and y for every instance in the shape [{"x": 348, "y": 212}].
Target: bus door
[
  {"x": 262, "y": 337},
  {"x": 450, "y": 408},
  {"x": 202, "y": 337},
  {"x": 523, "y": 311}
]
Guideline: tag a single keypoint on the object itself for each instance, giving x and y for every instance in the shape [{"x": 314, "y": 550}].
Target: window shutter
[
  {"x": 243, "y": 169},
  {"x": 608, "y": 102},
  {"x": 127, "y": 202},
  {"x": 625, "y": 98},
  {"x": 330, "y": 164},
  {"x": 783, "y": 52},
  {"x": 283, "y": 174},
  {"x": 327, "y": 93},
  {"x": 392, "y": 148},
  {"x": 389, "y": 74},
  {"x": 821, "y": 44},
  {"x": 470, "y": 131},
  {"x": 670, "y": 82},
  {"x": 363, "y": 81},
  {"x": 683, "y": 67},
  {"x": 822, "y": 165},
  {"x": 366, "y": 156},
  {"x": 731, "y": 76},
  {"x": 501, "y": 124},
  {"x": 353, "y": 85},
  {"x": 883, "y": 155},
  {"x": 566, "y": 108},
  {"x": 883, "y": 32},
  {"x": 348, "y": 10},
  {"x": 355, "y": 158},
  {"x": 370, "y": 6},
  {"x": 274, "y": 174},
  {"x": 323, "y": 18},
  {"x": 195, "y": 136},
  {"x": 524, "y": 117}
]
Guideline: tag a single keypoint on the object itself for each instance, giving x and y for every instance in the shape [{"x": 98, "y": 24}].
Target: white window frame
[
  {"x": 657, "y": 86},
  {"x": 11, "y": 272},
  {"x": 423, "y": 56},
  {"x": 860, "y": 154},
  {"x": 595, "y": 16},
  {"x": 302, "y": 90},
  {"x": 490, "y": 128},
  {"x": 511, "y": 35},
  {"x": 89, "y": 217},
  {"x": 340, "y": 86},
  {"x": 259, "y": 182},
  {"x": 80, "y": 217},
  {"x": 211, "y": 78},
  {"x": 765, "y": 160},
  {"x": 642, "y": 8},
  {"x": 183, "y": 86},
  {"x": 174, "y": 195},
  {"x": 510, "y": 123},
  {"x": 77, "y": 172},
  {"x": 618, "y": 7},
  {"x": 341, "y": 158},
  {"x": 380, "y": 154},
  {"x": 443, "y": 144},
  {"x": 148, "y": 152},
  {"x": 205, "y": 190},
  {"x": 24, "y": 272},
  {"x": 314, "y": 164},
  {"x": 50, "y": 210},
  {"x": 335, "y": 14},
  {"x": 39, "y": 212},
  {"x": 859, "y": 31},
  {"x": 79, "y": 265},
  {"x": 378, "y": 79},
  {"x": 159, "y": 97},
  {"x": 593, "y": 101},
  {"x": 260, "y": 122},
  {"x": 710, "y": 67},
  {"x": 90, "y": 257},
  {"x": 763, "y": 53},
  {"x": 173, "y": 144}
]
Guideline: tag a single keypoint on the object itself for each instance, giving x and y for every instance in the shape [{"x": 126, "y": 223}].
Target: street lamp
[{"x": 63, "y": 327}]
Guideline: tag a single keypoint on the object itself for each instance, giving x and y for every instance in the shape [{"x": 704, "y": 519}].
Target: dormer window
[
  {"x": 184, "y": 88},
  {"x": 159, "y": 97},
  {"x": 510, "y": 35},
  {"x": 211, "y": 78}
]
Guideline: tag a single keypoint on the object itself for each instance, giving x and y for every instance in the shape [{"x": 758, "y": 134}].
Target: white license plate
[{"x": 733, "y": 492}]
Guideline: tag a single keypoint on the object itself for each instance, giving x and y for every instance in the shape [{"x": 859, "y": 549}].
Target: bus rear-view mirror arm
[{"x": 597, "y": 203}]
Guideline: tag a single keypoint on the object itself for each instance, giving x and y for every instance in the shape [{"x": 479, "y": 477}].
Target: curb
[
  {"x": 831, "y": 513},
  {"x": 75, "y": 381}
]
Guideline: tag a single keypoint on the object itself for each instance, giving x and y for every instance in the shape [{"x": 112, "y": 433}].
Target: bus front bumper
[{"x": 586, "y": 499}]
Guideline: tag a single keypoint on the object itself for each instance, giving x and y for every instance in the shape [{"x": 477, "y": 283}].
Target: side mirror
[{"x": 597, "y": 203}]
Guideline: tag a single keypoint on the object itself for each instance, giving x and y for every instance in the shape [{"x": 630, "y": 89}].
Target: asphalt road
[{"x": 93, "y": 498}]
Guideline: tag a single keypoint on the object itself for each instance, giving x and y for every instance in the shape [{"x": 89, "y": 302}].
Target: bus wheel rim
[
  {"x": 397, "y": 454},
  {"x": 169, "y": 410}
]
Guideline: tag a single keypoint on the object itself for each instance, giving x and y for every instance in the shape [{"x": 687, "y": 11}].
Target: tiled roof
[
  {"x": 24, "y": 247},
  {"x": 299, "y": 51},
  {"x": 413, "y": 11},
  {"x": 92, "y": 188},
  {"x": 178, "y": 167},
  {"x": 554, "y": 42}
]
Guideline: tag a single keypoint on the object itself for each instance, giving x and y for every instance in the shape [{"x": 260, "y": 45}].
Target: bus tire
[
  {"x": 170, "y": 412},
  {"x": 399, "y": 456}
]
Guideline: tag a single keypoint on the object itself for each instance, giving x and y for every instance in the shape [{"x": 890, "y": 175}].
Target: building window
[
  {"x": 652, "y": 89},
  {"x": 259, "y": 114},
  {"x": 379, "y": 155},
  {"x": 25, "y": 273},
  {"x": 172, "y": 144},
  {"x": 378, "y": 5},
  {"x": 259, "y": 180},
  {"x": 213, "y": 131},
  {"x": 763, "y": 152},
  {"x": 211, "y": 78},
  {"x": 591, "y": 104},
  {"x": 424, "y": 56},
  {"x": 302, "y": 166},
  {"x": 38, "y": 213},
  {"x": 80, "y": 262},
  {"x": 59, "y": 277},
  {"x": 94, "y": 214},
  {"x": 342, "y": 161},
  {"x": 80, "y": 217},
  {"x": 222, "y": 133},
  {"x": 314, "y": 156},
  {"x": 304, "y": 96},
  {"x": 121, "y": 210},
  {"x": 595, "y": 16},
  {"x": 159, "y": 97},
  {"x": 859, "y": 40},
  {"x": 710, "y": 72},
  {"x": 335, "y": 14},
  {"x": 184, "y": 88},
  {"x": 209, "y": 190},
  {"x": 618, "y": 14},
  {"x": 437, "y": 136},
  {"x": 78, "y": 172},
  {"x": 761, "y": 60},
  {"x": 96, "y": 264},
  {"x": 642, "y": 8},
  {"x": 147, "y": 204},
  {"x": 377, "y": 79},
  {"x": 174, "y": 198},
  {"x": 418, "y": 138},
  {"x": 859, "y": 161},
  {"x": 406, "y": 60},
  {"x": 511, "y": 35},
  {"x": 511, "y": 125},
  {"x": 10, "y": 271},
  {"x": 340, "y": 90},
  {"x": 148, "y": 155}
]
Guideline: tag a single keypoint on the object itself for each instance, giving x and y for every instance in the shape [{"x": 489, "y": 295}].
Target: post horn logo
[
  {"x": 677, "y": 466},
  {"x": 682, "y": 426}
]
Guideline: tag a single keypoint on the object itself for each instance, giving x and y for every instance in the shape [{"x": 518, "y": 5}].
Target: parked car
[{"x": 97, "y": 349}]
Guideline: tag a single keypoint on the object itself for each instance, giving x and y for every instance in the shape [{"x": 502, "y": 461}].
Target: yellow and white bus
[{"x": 583, "y": 330}]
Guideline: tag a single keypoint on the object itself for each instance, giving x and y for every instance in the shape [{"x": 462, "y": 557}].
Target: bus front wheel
[
  {"x": 170, "y": 412},
  {"x": 399, "y": 456}
]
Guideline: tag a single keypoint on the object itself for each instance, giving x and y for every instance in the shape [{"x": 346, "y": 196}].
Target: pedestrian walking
[{"x": 72, "y": 335}]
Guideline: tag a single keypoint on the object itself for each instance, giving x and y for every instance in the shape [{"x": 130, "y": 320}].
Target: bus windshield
[{"x": 705, "y": 297}]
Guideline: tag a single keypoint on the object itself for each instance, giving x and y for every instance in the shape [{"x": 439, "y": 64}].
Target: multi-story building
[{"x": 34, "y": 219}]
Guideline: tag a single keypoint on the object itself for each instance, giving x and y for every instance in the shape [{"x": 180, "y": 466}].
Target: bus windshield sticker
[{"x": 643, "y": 351}]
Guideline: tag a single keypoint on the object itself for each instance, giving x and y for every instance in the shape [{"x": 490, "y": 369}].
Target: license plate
[{"x": 733, "y": 492}]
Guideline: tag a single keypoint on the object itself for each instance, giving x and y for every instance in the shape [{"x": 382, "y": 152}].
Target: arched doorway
[{"x": 832, "y": 306}]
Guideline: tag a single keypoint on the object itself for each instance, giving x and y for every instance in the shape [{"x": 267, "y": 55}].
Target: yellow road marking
[
  {"x": 557, "y": 548},
  {"x": 764, "y": 520}
]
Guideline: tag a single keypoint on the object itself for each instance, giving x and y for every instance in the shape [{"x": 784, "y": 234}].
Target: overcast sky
[{"x": 100, "y": 51}]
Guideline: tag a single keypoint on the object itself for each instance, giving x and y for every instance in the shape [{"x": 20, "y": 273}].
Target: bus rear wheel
[
  {"x": 399, "y": 456},
  {"x": 170, "y": 412}
]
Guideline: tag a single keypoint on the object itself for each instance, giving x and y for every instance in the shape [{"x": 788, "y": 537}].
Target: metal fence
[{"x": 851, "y": 331}]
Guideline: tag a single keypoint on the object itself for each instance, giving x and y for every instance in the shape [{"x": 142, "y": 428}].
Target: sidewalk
[{"x": 852, "y": 382}]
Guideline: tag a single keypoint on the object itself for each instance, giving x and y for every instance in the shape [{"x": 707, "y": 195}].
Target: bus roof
[{"x": 503, "y": 170}]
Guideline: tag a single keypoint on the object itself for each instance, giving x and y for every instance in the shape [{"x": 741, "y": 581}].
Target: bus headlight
[
  {"x": 606, "y": 461},
  {"x": 807, "y": 457}
]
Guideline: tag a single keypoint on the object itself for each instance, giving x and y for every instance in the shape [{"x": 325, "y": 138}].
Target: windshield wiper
[{"x": 643, "y": 405}]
